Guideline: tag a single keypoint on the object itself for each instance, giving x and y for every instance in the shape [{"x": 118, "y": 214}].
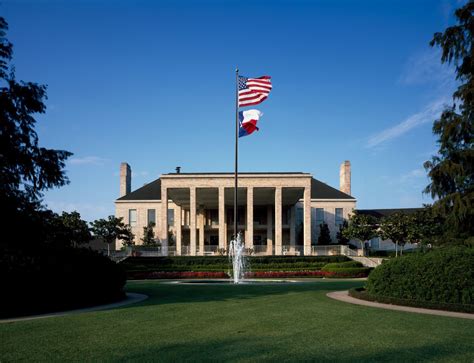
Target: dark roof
[
  {"x": 150, "y": 191},
  {"x": 243, "y": 173},
  {"x": 379, "y": 213},
  {"x": 320, "y": 190}
]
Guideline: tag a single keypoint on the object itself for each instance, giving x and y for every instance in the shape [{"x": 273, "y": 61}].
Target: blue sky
[{"x": 153, "y": 84}]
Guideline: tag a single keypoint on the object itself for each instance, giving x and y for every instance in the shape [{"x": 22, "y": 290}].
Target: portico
[{"x": 204, "y": 207}]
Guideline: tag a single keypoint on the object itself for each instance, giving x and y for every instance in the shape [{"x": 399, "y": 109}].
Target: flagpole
[{"x": 236, "y": 147}]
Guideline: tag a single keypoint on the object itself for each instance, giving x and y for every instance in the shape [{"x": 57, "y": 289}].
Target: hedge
[
  {"x": 347, "y": 264},
  {"x": 361, "y": 293},
  {"x": 50, "y": 279},
  {"x": 445, "y": 276},
  {"x": 218, "y": 263}
]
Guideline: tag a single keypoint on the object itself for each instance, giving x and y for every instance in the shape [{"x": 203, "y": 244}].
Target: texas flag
[{"x": 248, "y": 121}]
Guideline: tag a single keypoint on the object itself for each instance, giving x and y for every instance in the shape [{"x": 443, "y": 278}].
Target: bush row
[
  {"x": 442, "y": 276},
  {"x": 188, "y": 263},
  {"x": 346, "y": 264},
  {"x": 361, "y": 293},
  {"x": 50, "y": 279}
]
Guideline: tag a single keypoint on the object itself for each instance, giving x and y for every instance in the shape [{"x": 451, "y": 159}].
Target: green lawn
[{"x": 290, "y": 322}]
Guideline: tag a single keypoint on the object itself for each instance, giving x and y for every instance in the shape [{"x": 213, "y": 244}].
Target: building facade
[{"x": 193, "y": 213}]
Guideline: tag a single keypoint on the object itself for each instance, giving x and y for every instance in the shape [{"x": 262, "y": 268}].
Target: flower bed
[
  {"x": 178, "y": 275},
  {"x": 256, "y": 274},
  {"x": 331, "y": 274}
]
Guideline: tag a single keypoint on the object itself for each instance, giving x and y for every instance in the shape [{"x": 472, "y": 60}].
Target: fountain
[{"x": 237, "y": 258}]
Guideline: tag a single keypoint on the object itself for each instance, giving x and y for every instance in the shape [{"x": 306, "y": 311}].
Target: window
[
  {"x": 170, "y": 217},
  {"x": 339, "y": 217},
  {"x": 319, "y": 216},
  {"x": 132, "y": 217},
  {"x": 151, "y": 216}
]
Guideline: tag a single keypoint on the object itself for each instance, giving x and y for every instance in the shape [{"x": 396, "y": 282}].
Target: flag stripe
[{"x": 253, "y": 91}]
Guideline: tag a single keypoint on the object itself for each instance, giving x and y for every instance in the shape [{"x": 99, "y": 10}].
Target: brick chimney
[
  {"x": 125, "y": 179},
  {"x": 345, "y": 177}
]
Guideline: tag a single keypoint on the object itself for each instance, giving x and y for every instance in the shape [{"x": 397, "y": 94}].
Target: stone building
[{"x": 278, "y": 213}]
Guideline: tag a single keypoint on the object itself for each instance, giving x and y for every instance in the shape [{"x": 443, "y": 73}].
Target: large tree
[
  {"x": 452, "y": 170},
  {"x": 26, "y": 168}
]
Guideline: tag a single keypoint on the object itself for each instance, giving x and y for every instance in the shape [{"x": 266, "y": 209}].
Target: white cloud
[
  {"x": 88, "y": 160},
  {"x": 426, "y": 67},
  {"x": 413, "y": 175},
  {"x": 428, "y": 114}
]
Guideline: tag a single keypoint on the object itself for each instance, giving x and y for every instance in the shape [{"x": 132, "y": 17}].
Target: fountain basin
[{"x": 231, "y": 282}]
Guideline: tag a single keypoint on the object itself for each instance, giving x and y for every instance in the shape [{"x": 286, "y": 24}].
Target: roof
[
  {"x": 152, "y": 191},
  {"x": 320, "y": 190},
  {"x": 379, "y": 213},
  {"x": 244, "y": 173}
]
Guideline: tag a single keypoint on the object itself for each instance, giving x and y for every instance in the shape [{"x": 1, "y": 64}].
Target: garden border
[{"x": 344, "y": 296}]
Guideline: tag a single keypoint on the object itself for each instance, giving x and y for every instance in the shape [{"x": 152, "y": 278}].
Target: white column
[
  {"x": 249, "y": 238},
  {"x": 278, "y": 225},
  {"x": 192, "y": 220},
  {"x": 178, "y": 228},
  {"x": 222, "y": 225},
  {"x": 292, "y": 227},
  {"x": 269, "y": 231},
  {"x": 307, "y": 221},
  {"x": 201, "y": 220},
  {"x": 164, "y": 221}
]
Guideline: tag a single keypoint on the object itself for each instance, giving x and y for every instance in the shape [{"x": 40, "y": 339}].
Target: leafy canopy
[{"x": 452, "y": 170}]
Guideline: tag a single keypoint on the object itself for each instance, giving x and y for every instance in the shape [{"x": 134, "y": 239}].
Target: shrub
[
  {"x": 346, "y": 264},
  {"x": 51, "y": 279},
  {"x": 221, "y": 263},
  {"x": 441, "y": 276},
  {"x": 361, "y": 293}
]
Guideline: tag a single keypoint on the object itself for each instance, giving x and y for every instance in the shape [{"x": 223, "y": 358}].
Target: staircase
[{"x": 367, "y": 261}]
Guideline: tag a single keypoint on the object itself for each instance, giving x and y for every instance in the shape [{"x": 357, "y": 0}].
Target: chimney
[
  {"x": 345, "y": 177},
  {"x": 125, "y": 179}
]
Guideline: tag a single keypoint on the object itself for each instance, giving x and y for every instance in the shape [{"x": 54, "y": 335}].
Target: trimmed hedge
[
  {"x": 49, "y": 279},
  {"x": 135, "y": 265},
  {"x": 361, "y": 293},
  {"x": 347, "y": 264},
  {"x": 443, "y": 276}
]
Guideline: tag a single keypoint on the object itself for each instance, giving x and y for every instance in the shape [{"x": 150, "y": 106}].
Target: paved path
[
  {"x": 344, "y": 296},
  {"x": 132, "y": 298}
]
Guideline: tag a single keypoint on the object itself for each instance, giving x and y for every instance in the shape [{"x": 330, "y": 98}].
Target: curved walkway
[
  {"x": 344, "y": 296},
  {"x": 132, "y": 298}
]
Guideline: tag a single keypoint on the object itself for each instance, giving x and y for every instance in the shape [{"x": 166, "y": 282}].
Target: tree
[
  {"x": 78, "y": 230},
  {"x": 397, "y": 227},
  {"x": 110, "y": 230},
  {"x": 149, "y": 235},
  {"x": 341, "y": 239},
  {"x": 26, "y": 169},
  {"x": 127, "y": 237},
  {"x": 452, "y": 170},
  {"x": 361, "y": 227},
  {"x": 324, "y": 235}
]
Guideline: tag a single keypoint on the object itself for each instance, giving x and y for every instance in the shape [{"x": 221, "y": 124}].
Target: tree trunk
[{"x": 396, "y": 249}]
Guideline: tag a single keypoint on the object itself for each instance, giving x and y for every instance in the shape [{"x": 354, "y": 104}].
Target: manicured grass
[{"x": 291, "y": 322}]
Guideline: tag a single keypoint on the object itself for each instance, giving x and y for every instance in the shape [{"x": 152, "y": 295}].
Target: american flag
[{"x": 253, "y": 91}]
